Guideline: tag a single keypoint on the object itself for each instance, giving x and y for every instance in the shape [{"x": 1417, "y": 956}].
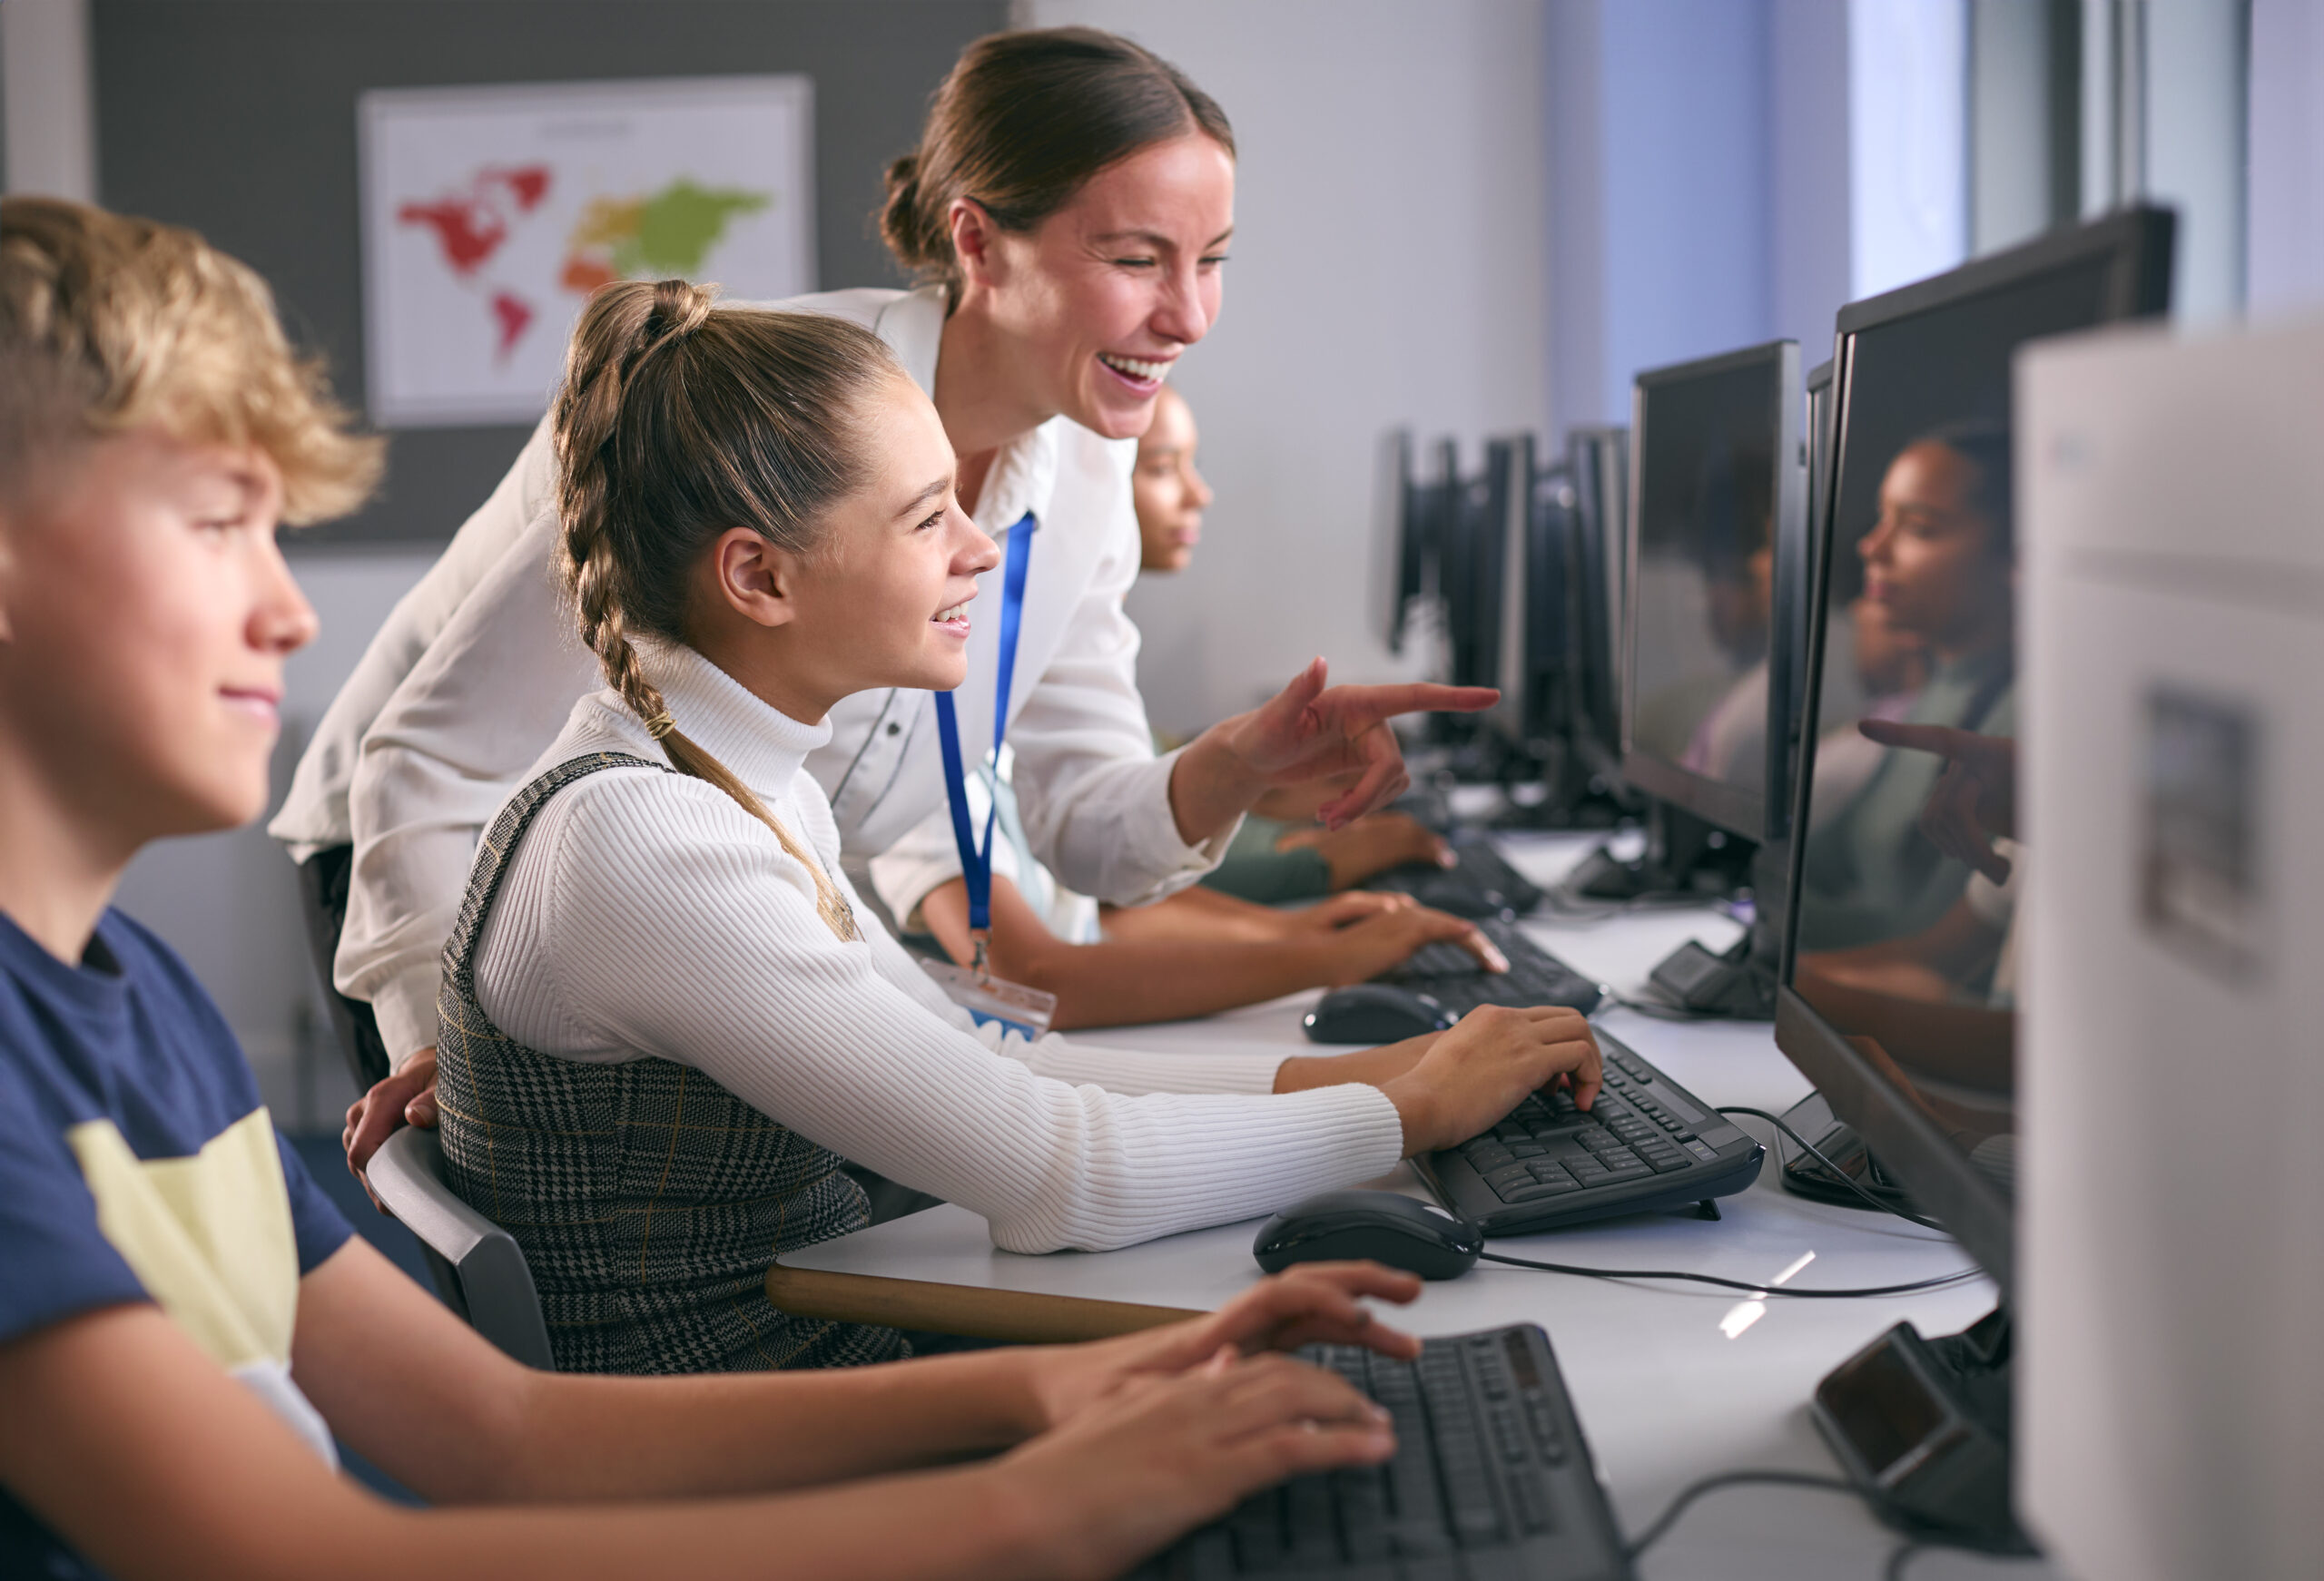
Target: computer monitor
[
  {"x": 1534, "y": 602},
  {"x": 1797, "y": 535},
  {"x": 1479, "y": 522},
  {"x": 1912, "y": 620},
  {"x": 1901, "y": 975},
  {"x": 1717, "y": 497},
  {"x": 1422, "y": 507},
  {"x": 1598, "y": 468}
]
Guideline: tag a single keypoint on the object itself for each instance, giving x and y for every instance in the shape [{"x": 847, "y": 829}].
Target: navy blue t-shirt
[{"x": 130, "y": 1128}]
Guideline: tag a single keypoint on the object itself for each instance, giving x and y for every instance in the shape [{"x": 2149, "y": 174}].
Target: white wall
[
  {"x": 1389, "y": 267},
  {"x": 45, "y": 97}
]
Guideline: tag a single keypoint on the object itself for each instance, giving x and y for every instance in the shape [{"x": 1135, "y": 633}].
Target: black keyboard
[
  {"x": 1483, "y": 885},
  {"x": 1490, "y": 1479},
  {"x": 1647, "y": 1145},
  {"x": 1452, "y": 977}
]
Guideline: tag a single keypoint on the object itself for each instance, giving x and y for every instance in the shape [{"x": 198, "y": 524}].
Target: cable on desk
[
  {"x": 1942, "y": 1280},
  {"x": 1901, "y": 1555},
  {"x": 1838, "y": 1173},
  {"x": 1659, "y": 1527},
  {"x": 1663, "y": 1012}
]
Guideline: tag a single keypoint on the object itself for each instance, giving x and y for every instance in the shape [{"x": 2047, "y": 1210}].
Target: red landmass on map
[
  {"x": 512, "y": 313},
  {"x": 465, "y": 233},
  {"x": 470, "y": 226}
]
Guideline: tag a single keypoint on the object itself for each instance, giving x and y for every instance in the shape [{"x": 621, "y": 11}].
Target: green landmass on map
[{"x": 668, "y": 233}]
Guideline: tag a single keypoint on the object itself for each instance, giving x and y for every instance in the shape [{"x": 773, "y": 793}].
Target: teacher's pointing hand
[{"x": 1307, "y": 732}]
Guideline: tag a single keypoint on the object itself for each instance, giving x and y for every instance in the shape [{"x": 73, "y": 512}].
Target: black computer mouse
[
  {"x": 1384, "y": 1226},
  {"x": 1372, "y": 1013}
]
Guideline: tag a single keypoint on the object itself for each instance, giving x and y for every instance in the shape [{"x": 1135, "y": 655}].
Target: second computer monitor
[
  {"x": 1716, "y": 503},
  {"x": 1599, "y": 470}
]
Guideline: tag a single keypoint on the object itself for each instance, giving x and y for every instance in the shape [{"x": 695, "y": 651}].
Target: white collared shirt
[{"x": 474, "y": 672}]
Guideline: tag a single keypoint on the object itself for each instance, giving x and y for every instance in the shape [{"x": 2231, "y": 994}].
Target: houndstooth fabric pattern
[{"x": 648, "y": 1200}]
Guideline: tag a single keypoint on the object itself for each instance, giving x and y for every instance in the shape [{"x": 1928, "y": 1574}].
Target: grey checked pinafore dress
[{"x": 649, "y": 1200}]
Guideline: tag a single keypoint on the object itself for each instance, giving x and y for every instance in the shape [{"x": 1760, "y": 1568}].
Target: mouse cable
[
  {"x": 1836, "y": 1172},
  {"x": 1763, "y": 1288},
  {"x": 1659, "y": 1527}
]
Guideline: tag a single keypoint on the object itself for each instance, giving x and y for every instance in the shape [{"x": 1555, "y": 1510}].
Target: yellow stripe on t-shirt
[{"x": 208, "y": 1236}]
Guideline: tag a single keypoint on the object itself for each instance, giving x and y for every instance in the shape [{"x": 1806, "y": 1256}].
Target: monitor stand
[
  {"x": 1739, "y": 982},
  {"x": 1923, "y": 1426},
  {"x": 1684, "y": 856},
  {"x": 1553, "y": 785},
  {"x": 1803, "y": 1176}
]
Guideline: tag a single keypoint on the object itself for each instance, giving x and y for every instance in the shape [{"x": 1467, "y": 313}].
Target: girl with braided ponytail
[{"x": 660, "y": 986}]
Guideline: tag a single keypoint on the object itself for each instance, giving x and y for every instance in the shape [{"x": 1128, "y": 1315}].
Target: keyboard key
[{"x": 1548, "y": 1172}]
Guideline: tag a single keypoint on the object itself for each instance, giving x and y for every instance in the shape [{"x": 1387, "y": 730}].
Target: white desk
[{"x": 1665, "y": 1395}]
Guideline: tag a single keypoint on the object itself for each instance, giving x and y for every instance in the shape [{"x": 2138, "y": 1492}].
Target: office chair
[
  {"x": 322, "y": 904},
  {"x": 478, "y": 1268}
]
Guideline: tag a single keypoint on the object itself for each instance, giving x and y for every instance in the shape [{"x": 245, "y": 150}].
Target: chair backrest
[{"x": 495, "y": 1289}]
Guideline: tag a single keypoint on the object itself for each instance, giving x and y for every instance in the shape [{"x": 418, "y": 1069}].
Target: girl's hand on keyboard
[
  {"x": 1383, "y": 939},
  {"x": 1473, "y": 1075},
  {"x": 1166, "y": 1452}
]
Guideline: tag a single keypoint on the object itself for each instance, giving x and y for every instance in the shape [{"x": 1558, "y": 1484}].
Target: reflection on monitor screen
[
  {"x": 1705, "y": 591},
  {"x": 1909, "y": 879}
]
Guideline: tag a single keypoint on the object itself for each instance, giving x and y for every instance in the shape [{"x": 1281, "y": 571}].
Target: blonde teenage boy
[{"x": 186, "y": 1323}]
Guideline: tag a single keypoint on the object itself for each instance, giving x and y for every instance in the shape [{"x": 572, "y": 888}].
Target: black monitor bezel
[
  {"x": 2136, "y": 244},
  {"x": 1733, "y": 807}
]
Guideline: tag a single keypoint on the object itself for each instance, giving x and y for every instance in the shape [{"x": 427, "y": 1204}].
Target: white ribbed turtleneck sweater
[{"x": 645, "y": 913}]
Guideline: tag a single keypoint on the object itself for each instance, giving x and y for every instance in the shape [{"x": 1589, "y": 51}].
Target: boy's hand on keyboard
[
  {"x": 1385, "y": 938},
  {"x": 1168, "y": 1452},
  {"x": 1473, "y": 1075}
]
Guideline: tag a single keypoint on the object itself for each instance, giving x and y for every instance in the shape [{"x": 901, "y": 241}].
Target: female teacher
[{"x": 1068, "y": 208}]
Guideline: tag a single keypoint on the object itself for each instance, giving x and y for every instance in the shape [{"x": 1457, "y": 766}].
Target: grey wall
[
  {"x": 237, "y": 117},
  {"x": 1389, "y": 268}
]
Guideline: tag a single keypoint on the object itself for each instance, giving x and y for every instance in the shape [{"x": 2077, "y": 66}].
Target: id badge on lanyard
[{"x": 1012, "y": 1006}]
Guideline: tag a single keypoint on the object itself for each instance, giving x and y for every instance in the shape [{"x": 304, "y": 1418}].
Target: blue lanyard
[{"x": 976, "y": 865}]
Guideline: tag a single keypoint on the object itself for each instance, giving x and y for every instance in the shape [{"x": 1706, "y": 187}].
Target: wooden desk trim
[{"x": 952, "y": 1308}]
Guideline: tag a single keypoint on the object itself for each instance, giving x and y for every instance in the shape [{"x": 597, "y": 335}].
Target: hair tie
[{"x": 661, "y": 724}]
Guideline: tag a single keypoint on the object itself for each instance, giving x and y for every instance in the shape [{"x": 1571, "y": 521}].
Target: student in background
[
  {"x": 1281, "y": 852},
  {"x": 186, "y": 1324},
  {"x": 759, "y": 520},
  {"x": 1068, "y": 208}
]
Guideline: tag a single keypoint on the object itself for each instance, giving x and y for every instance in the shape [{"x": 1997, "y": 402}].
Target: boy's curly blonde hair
[{"x": 108, "y": 323}]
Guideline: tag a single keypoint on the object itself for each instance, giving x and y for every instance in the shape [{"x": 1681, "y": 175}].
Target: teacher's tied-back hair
[
  {"x": 677, "y": 421},
  {"x": 1021, "y": 122},
  {"x": 109, "y": 323}
]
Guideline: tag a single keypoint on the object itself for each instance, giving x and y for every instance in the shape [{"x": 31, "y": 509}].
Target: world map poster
[{"x": 490, "y": 214}]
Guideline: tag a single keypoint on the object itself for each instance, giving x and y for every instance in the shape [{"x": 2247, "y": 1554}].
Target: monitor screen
[
  {"x": 1473, "y": 562},
  {"x": 1597, "y": 466},
  {"x": 1715, "y": 458},
  {"x": 1533, "y": 599},
  {"x": 1904, "y": 970}
]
